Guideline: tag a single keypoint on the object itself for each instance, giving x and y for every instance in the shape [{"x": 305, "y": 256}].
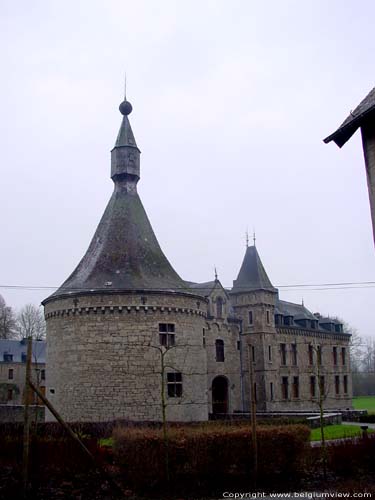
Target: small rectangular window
[
  {"x": 283, "y": 354},
  {"x": 43, "y": 374},
  {"x": 294, "y": 354},
  {"x": 284, "y": 388},
  {"x": 253, "y": 353},
  {"x": 255, "y": 392},
  {"x": 204, "y": 337},
  {"x": 174, "y": 384},
  {"x": 322, "y": 387},
  {"x": 295, "y": 387},
  {"x": 238, "y": 345},
  {"x": 219, "y": 345},
  {"x": 250, "y": 317},
  {"x": 268, "y": 317},
  {"x": 337, "y": 385},
  {"x": 312, "y": 387},
  {"x": 10, "y": 394},
  {"x": 166, "y": 334},
  {"x": 10, "y": 374},
  {"x": 269, "y": 353},
  {"x": 271, "y": 391}
]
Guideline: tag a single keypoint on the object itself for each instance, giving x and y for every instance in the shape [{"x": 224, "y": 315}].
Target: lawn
[
  {"x": 365, "y": 403},
  {"x": 337, "y": 432}
]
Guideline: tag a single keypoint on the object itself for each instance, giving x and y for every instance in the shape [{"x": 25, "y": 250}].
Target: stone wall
[{"x": 104, "y": 356}]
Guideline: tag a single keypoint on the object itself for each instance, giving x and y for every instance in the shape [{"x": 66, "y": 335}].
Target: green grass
[
  {"x": 337, "y": 432},
  {"x": 106, "y": 442},
  {"x": 365, "y": 403}
]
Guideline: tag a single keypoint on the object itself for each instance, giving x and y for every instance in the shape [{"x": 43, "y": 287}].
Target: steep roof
[
  {"x": 252, "y": 275},
  {"x": 354, "y": 120},
  {"x": 124, "y": 253},
  {"x": 298, "y": 311}
]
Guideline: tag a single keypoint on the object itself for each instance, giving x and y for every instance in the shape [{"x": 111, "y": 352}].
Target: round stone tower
[{"x": 124, "y": 334}]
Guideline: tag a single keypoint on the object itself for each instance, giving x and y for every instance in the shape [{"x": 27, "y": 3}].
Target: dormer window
[
  {"x": 288, "y": 320},
  {"x": 8, "y": 357}
]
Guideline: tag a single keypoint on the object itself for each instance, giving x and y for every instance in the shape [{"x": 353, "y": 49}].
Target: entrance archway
[{"x": 220, "y": 395}]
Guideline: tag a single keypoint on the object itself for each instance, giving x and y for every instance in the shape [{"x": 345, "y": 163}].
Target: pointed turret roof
[
  {"x": 124, "y": 254},
  {"x": 252, "y": 275}
]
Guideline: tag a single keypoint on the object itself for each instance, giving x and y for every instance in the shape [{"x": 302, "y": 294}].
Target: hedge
[{"x": 201, "y": 453}]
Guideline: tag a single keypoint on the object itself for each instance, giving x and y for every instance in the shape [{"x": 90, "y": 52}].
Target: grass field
[
  {"x": 365, "y": 403},
  {"x": 337, "y": 432}
]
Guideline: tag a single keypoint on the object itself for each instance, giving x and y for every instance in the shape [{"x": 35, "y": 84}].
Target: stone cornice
[
  {"x": 147, "y": 309},
  {"x": 312, "y": 333}
]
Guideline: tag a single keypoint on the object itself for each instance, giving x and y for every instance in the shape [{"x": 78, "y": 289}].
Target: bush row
[{"x": 204, "y": 452}]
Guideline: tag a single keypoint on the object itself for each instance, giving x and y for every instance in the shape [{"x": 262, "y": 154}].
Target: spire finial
[
  {"x": 247, "y": 238},
  {"x": 254, "y": 238},
  {"x": 303, "y": 303},
  {"x": 125, "y": 107},
  {"x": 215, "y": 273}
]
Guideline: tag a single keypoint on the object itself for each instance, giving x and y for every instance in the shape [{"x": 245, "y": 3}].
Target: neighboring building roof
[
  {"x": 299, "y": 311},
  {"x": 354, "y": 120},
  {"x": 252, "y": 275},
  {"x": 18, "y": 347},
  {"x": 203, "y": 289},
  {"x": 124, "y": 254}
]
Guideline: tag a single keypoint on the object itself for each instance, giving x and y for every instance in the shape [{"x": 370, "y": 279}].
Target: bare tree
[
  {"x": 7, "y": 321},
  {"x": 31, "y": 323}
]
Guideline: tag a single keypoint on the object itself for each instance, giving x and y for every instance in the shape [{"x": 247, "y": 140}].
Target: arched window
[
  {"x": 219, "y": 307},
  {"x": 219, "y": 350}
]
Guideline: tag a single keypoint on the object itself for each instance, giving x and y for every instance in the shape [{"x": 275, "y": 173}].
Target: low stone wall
[{"x": 14, "y": 413}]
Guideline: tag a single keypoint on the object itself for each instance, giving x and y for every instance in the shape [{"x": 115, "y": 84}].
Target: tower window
[
  {"x": 43, "y": 374},
  {"x": 219, "y": 344},
  {"x": 10, "y": 374},
  {"x": 250, "y": 317},
  {"x": 268, "y": 317},
  {"x": 271, "y": 391},
  {"x": 174, "y": 384},
  {"x": 270, "y": 353},
  {"x": 166, "y": 334},
  {"x": 204, "y": 337},
  {"x": 253, "y": 353}
]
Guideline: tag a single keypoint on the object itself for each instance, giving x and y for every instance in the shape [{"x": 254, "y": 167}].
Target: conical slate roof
[
  {"x": 252, "y": 275},
  {"x": 124, "y": 253}
]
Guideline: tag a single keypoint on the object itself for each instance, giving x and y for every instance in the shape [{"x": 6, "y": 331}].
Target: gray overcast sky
[{"x": 231, "y": 102}]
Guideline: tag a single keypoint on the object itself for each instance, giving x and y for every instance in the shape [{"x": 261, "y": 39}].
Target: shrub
[
  {"x": 202, "y": 452},
  {"x": 367, "y": 419}
]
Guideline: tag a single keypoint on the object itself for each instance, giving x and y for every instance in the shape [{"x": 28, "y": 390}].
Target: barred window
[
  {"x": 166, "y": 334},
  {"x": 174, "y": 384}
]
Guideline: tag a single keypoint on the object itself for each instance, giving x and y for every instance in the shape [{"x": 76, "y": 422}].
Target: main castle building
[{"x": 127, "y": 337}]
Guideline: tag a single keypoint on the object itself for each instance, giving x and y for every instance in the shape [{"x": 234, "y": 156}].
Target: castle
[{"x": 128, "y": 338}]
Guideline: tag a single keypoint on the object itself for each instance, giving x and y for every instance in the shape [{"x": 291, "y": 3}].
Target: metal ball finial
[{"x": 125, "y": 108}]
